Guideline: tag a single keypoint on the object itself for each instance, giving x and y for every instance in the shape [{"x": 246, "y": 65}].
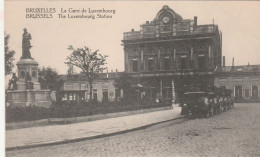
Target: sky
[{"x": 238, "y": 21}]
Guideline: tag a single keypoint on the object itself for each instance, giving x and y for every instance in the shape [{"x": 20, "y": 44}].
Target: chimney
[
  {"x": 133, "y": 30},
  {"x": 195, "y": 21},
  {"x": 233, "y": 62},
  {"x": 224, "y": 64},
  {"x": 147, "y": 22}
]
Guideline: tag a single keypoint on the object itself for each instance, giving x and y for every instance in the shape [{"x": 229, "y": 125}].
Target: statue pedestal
[
  {"x": 23, "y": 86},
  {"x": 24, "y": 96}
]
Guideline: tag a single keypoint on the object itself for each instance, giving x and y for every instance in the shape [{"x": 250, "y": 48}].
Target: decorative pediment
[{"x": 167, "y": 15}]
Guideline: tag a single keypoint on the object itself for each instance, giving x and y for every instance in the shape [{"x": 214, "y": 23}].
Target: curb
[{"x": 90, "y": 138}]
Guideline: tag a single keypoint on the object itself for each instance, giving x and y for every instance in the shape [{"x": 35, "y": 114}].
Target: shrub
[{"x": 76, "y": 109}]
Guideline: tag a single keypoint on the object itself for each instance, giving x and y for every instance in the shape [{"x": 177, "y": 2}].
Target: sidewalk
[{"x": 57, "y": 134}]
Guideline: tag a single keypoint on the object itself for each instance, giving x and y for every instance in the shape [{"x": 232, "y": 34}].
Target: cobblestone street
[{"x": 232, "y": 133}]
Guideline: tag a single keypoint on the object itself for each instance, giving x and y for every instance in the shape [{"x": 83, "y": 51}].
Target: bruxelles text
[{"x": 70, "y": 12}]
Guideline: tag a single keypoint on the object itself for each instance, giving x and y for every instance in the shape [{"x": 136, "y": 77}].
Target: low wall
[{"x": 18, "y": 125}]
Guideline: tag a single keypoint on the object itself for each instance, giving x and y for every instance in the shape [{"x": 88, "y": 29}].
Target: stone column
[
  {"x": 174, "y": 59},
  {"x": 159, "y": 59},
  {"x": 142, "y": 60},
  {"x": 161, "y": 88},
  {"x": 210, "y": 54},
  {"x": 191, "y": 53}
]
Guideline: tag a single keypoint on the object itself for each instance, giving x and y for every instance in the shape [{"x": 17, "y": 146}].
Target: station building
[
  {"x": 170, "y": 52},
  {"x": 165, "y": 55}
]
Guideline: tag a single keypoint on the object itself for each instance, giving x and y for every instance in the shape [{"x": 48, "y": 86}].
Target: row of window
[
  {"x": 182, "y": 63},
  {"x": 238, "y": 92},
  {"x": 84, "y": 95}
]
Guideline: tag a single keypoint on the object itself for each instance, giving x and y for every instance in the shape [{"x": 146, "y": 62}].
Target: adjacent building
[
  {"x": 76, "y": 88},
  {"x": 244, "y": 81}
]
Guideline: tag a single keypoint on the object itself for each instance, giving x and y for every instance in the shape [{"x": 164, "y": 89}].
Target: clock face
[{"x": 166, "y": 19}]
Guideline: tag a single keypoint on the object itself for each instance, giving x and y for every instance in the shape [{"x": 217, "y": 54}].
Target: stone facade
[{"x": 169, "y": 50}]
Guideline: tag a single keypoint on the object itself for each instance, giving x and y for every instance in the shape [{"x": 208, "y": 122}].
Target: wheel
[
  {"x": 212, "y": 111},
  {"x": 207, "y": 113},
  {"x": 224, "y": 108},
  {"x": 215, "y": 112}
]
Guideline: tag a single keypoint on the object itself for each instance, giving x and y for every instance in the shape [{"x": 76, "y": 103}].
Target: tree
[
  {"x": 9, "y": 57},
  {"x": 90, "y": 62},
  {"x": 48, "y": 78},
  {"x": 124, "y": 82}
]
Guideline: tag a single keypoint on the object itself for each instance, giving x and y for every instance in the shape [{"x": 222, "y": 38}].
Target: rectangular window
[
  {"x": 117, "y": 93},
  {"x": 254, "y": 91},
  {"x": 150, "y": 64},
  {"x": 105, "y": 95},
  {"x": 246, "y": 93},
  {"x": 94, "y": 92},
  {"x": 183, "y": 62},
  {"x": 135, "y": 66},
  {"x": 202, "y": 62},
  {"x": 74, "y": 96},
  {"x": 238, "y": 92},
  {"x": 167, "y": 63},
  {"x": 86, "y": 95},
  {"x": 70, "y": 96},
  {"x": 65, "y": 96}
]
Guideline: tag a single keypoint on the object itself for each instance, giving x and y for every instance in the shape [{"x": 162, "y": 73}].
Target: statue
[
  {"x": 13, "y": 83},
  {"x": 26, "y": 45}
]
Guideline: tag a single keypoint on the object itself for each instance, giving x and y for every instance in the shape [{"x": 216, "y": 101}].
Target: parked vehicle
[{"x": 198, "y": 102}]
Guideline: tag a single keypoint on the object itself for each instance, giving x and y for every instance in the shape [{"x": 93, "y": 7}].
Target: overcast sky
[{"x": 239, "y": 22}]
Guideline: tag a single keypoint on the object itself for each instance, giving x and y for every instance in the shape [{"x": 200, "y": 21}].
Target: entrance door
[{"x": 238, "y": 92}]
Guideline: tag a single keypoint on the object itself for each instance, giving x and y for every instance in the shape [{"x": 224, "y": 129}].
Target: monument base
[
  {"x": 23, "y": 86},
  {"x": 25, "y": 98}
]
